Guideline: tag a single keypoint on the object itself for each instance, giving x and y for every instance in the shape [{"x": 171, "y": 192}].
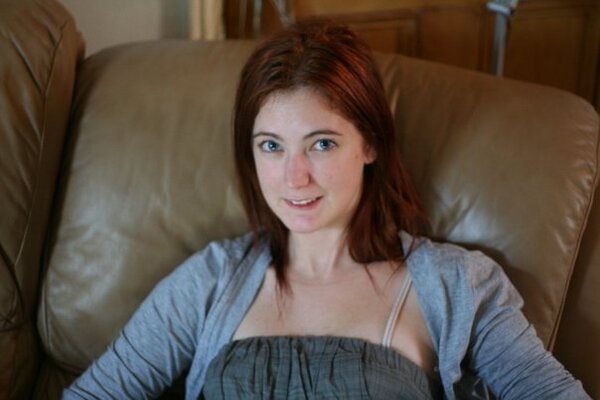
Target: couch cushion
[
  {"x": 39, "y": 48},
  {"x": 150, "y": 181}
]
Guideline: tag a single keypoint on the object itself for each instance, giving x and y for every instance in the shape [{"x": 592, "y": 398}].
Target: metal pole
[
  {"x": 504, "y": 9},
  {"x": 500, "y": 31},
  {"x": 285, "y": 15},
  {"x": 283, "y": 12}
]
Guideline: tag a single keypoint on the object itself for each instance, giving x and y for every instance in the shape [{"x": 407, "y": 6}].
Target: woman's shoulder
[
  {"x": 450, "y": 263},
  {"x": 231, "y": 248},
  {"x": 228, "y": 248},
  {"x": 456, "y": 288},
  {"x": 454, "y": 283},
  {"x": 221, "y": 258}
]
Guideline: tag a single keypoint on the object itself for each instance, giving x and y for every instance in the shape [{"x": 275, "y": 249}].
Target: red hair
[{"x": 332, "y": 60}]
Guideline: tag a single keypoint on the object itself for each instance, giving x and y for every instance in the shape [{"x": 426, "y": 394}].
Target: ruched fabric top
[
  {"x": 319, "y": 367},
  {"x": 315, "y": 367}
]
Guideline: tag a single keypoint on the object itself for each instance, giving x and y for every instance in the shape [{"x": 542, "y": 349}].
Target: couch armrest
[
  {"x": 40, "y": 47},
  {"x": 578, "y": 344}
]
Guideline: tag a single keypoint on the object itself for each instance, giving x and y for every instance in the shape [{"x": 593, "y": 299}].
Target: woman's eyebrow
[
  {"x": 322, "y": 132},
  {"x": 269, "y": 134},
  {"x": 307, "y": 136}
]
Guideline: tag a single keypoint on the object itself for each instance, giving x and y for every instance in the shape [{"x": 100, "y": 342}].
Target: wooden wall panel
[
  {"x": 550, "y": 47},
  {"x": 395, "y": 34},
  {"x": 551, "y": 42},
  {"x": 454, "y": 35}
]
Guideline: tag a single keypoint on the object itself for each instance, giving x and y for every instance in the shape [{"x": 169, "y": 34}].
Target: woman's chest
[
  {"x": 351, "y": 307},
  {"x": 355, "y": 308}
]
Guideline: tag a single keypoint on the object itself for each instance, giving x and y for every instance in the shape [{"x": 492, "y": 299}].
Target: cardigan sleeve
[
  {"x": 504, "y": 349},
  {"x": 159, "y": 341}
]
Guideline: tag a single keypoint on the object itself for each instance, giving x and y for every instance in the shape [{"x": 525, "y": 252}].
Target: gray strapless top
[{"x": 315, "y": 367}]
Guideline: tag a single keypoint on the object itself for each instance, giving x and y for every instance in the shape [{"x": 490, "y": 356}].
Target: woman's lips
[{"x": 303, "y": 204}]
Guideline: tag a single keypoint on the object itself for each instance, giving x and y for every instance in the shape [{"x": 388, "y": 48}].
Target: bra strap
[{"x": 395, "y": 312}]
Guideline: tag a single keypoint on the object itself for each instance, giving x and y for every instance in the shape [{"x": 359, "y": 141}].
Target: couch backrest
[
  {"x": 502, "y": 166},
  {"x": 149, "y": 181},
  {"x": 39, "y": 50}
]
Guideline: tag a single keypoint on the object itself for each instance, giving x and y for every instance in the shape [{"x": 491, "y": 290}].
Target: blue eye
[
  {"x": 269, "y": 146},
  {"x": 324, "y": 145}
]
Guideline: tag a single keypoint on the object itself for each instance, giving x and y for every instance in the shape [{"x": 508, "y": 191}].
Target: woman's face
[{"x": 309, "y": 160}]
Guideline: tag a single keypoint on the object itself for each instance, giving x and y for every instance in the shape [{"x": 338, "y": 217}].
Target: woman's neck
[{"x": 319, "y": 256}]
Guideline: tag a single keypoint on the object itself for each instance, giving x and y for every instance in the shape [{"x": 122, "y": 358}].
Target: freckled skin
[{"x": 303, "y": 149}]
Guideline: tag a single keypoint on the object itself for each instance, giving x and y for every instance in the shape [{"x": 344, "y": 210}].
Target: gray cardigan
[{"x": 470, "y": 307}]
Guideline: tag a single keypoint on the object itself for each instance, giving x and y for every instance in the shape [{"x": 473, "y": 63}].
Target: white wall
[{"x": 104, "y": 23}]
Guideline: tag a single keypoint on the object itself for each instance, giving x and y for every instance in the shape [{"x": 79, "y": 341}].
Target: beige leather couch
[{"x": 115, "y": 168}]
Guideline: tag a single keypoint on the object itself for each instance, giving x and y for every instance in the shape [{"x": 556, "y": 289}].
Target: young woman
[{"x": 333, "y": 294}]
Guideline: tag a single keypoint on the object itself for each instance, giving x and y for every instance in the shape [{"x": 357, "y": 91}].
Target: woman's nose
[{"x": 297, "y": 172}]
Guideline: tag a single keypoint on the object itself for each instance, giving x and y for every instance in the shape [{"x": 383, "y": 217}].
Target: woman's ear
[{"x": 370, "y": 154}]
